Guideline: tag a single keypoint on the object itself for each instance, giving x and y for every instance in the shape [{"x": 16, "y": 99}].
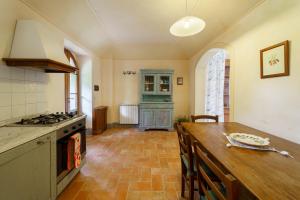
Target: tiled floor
[{"x": 130, "y": 165}]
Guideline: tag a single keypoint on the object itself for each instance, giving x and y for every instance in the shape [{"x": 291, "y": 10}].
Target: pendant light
[{"x": 187, "y": 26}]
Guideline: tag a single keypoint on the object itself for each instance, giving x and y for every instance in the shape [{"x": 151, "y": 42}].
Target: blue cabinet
[
  {"x": 163, "y": 118},
  {"x": 156, "y": 102},
  {"x": 147, "y": 117}
]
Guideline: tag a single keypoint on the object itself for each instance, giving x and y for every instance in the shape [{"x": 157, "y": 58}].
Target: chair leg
[
  {"x": 191, "y": 188},
  {"x": 182, "y": 185}
]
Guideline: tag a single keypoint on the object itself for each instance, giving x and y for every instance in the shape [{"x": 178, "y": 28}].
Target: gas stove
[{"x": 45, "y": 119}]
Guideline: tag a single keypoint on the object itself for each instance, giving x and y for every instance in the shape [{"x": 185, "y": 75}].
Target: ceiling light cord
[{"x": 186, "y": 8}]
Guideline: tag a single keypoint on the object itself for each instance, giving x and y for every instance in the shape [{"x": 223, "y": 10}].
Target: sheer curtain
[{"x": 214, "y": 91}]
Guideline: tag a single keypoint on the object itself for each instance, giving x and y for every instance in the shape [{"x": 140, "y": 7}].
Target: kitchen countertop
[{"x": 11, "y": 137}]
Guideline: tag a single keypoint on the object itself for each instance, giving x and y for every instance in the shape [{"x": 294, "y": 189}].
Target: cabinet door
[
  {"x": 25, "y": 172},
  {"x": 149, "y": 84},
  {"x": 164, "y": 84},
  {"x": 164, "y": 118},
  {"x": 147, "y": 118}
]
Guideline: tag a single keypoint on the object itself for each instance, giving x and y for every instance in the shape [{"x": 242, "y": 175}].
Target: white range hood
[{"x": 36, "y": 46}]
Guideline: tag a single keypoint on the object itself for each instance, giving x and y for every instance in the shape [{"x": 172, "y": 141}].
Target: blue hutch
[{"x": 156, "y": 99}]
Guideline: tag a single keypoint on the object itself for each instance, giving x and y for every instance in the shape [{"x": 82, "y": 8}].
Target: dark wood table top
[{"x": 267, "y": 175}]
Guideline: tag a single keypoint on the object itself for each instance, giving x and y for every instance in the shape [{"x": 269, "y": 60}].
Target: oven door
[
  {"x": 62, "y": 158},
  {"x": 62, "y": 152}
]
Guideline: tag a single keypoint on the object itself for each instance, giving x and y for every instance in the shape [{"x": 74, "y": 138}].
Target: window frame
[{"x": 69, "y": 56}]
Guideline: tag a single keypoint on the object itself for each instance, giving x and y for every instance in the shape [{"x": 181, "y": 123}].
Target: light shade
[{"x": 187, "y": 26}]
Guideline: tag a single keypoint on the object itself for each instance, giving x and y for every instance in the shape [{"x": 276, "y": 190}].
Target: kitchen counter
[{"x": 11, "y": 137}]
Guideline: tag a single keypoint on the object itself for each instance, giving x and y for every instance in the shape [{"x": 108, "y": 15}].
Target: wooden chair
[
  {"x": 212, "y": 117},
  {"x": 188, "y": 170},
  {"x": 213, "y": 182}
]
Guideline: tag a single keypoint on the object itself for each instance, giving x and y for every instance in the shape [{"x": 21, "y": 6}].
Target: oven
[{"x": 62, "y": 136}]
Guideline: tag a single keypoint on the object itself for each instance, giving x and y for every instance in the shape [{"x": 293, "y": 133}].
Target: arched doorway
[{"x": 212, "y": 84}]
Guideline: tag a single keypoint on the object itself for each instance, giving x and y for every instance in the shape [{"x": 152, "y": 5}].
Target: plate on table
[{"x": 250, "y": 139}]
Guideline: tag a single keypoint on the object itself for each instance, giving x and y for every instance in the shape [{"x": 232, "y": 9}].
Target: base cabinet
[
  {"x": 163, "y": 118},
  {"x": 156, "y": 117},
  {"x": 147, "y": 118},
  {"x": 26, "y": 171},
  {"x": 99, "y": 120}
]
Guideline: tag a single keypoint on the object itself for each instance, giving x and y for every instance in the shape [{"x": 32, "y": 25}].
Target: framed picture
[
  {"x": 274, "y": 60},
  {"x": 179, "y": 80}
]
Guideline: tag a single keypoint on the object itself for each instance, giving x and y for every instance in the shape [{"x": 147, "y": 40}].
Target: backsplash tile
[
  {"x": 30, "y": 75},
  {"x": 18, "y": 98},
  {"x": 5, "y": 72},
  {"x": 18, "y": 74},
  {"x": 41, "y": 107},
  {"x": 5, "y": 86},
  {"x": 5, "y": 99},
  {"x": 31, "y": 98},
  {"x": 31, "y": 86},
  {"x": 18, "y": 86},
  {"x": 22, "y": 92},
  {"x": 18, "y": 111},
  {"x": 31, "y": 109},
  {"x": 5, "y": 113}
]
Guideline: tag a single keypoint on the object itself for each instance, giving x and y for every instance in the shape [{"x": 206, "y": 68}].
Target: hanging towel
[{"x": 74, "y": 156}]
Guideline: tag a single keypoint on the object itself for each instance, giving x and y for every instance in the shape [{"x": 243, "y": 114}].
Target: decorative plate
[{"x": 250, "y": 139}]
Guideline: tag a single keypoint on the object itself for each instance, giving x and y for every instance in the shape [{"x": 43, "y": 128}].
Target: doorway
[{"x": 212, "y": 89}]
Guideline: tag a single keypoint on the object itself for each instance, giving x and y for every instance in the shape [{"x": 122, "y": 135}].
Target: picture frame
[
  {"x": 274, "y": 61},
  {"x": 179, "y": 80}
]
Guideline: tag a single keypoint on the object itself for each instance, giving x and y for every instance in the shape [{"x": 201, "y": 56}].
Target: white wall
[
  {"x": 97, "y": 80},
  {"x": 107, "y": 87},
  {"x": 272, "y": 105},
  {"x": 125, "y": 89},
  {"x": 86, "y": 98}
]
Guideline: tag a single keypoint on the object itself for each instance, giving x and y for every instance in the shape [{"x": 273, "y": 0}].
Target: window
[
  {"x": 72, "y": 100},
  {"x": 214, "y": 91}
]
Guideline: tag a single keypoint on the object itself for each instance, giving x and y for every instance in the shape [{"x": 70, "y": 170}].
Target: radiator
[{"x": 129, "y": 114}]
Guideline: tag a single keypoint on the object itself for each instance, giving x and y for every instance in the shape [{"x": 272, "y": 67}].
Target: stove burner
[{"x": 47, "y": 119}]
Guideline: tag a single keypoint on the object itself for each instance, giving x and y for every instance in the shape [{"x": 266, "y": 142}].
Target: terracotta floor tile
[
  {"x": 170, "y": 187},
  {"x": 122, "y": 190},
  {"x": 126, "y": 164},
  {"x": 71, "y": 191},
  {"x": 133, "y": 195},
  {"x": 172, "y": 178},
  {"x": 157, "y": 184},
  {"x": 140, "y": 186}
]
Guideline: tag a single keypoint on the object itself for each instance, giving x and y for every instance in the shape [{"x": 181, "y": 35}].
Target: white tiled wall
[{"x": 22, "y": 92}]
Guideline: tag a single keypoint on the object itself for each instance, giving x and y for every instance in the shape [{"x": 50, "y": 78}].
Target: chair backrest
[
  {"x": 212, "y": 117},
  {"x": 185, "y": 145},
  {"x": 212, "y": 178}
]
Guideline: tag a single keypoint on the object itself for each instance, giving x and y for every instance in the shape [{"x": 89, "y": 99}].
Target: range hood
[{"x": 36, "y": 46}]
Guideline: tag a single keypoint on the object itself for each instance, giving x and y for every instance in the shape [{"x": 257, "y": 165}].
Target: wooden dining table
[{"x": 265, "y": 174}]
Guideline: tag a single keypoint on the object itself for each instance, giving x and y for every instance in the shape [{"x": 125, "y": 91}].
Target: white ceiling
[{"x": 139, "y": 29}]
